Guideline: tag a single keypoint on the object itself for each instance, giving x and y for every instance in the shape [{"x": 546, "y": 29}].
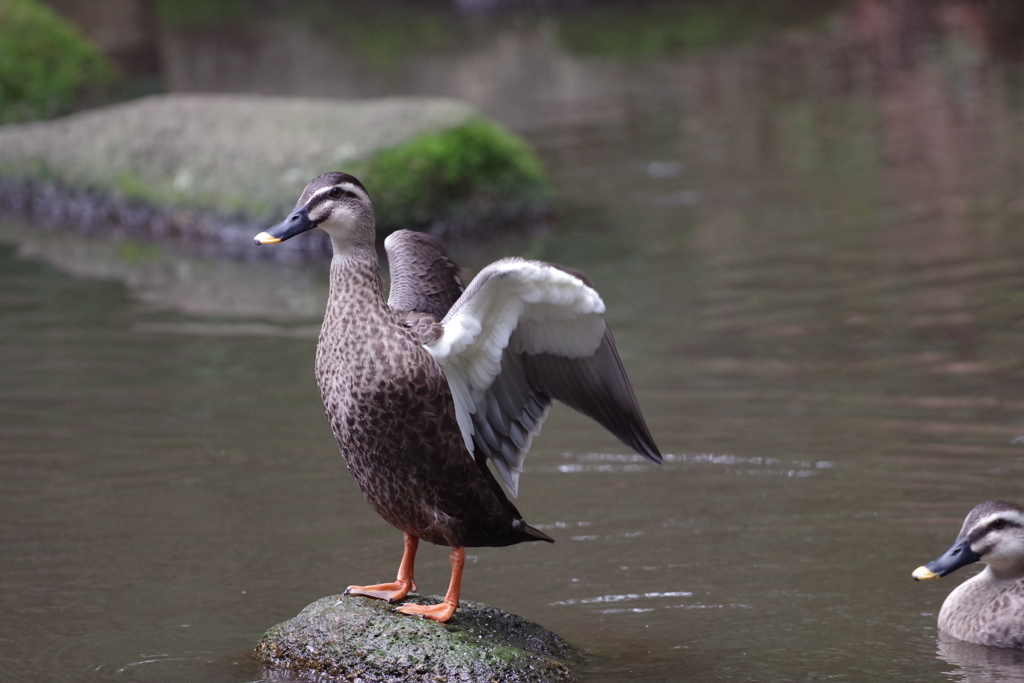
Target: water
[{"x": 808, "y": 241}]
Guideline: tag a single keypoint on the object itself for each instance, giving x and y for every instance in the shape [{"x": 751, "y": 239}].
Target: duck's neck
[
  {"x": 1003, "y": 572},
  {"x": 356, "y": 302}
]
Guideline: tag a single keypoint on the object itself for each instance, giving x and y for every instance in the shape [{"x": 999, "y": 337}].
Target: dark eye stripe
[
  {"x": 323, "y": 197},
  {"x": 326, "y": 198},
  {"x": 341, "y": 192},
  {"x": 979, "y": 534}
]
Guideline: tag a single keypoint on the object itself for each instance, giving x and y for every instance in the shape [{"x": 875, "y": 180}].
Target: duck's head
[
  {"x": 993, "y": 533},
  {"x": 335, "y": 202}
]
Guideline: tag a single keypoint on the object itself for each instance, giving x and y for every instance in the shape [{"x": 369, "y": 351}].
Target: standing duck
[
  {"x": 423, "y": 389},
  {"x": 989, "y": 608}
]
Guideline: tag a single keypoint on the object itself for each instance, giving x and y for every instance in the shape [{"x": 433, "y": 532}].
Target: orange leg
[
  {"x": 443, "y": 611},
  {"x": 393, "y": 592}
]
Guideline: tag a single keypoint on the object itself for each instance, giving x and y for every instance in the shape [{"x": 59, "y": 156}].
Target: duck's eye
[
  {"x": 335, "y": 193},
  {"x": 998, "y": 524}
]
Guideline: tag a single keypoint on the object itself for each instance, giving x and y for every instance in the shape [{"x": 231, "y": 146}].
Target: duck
[
  {"x": 427, "y": 388},
  {"x": 987, "y": 609}
]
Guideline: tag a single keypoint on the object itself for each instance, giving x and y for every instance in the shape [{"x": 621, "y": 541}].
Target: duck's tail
[{"x": 536, "y": 534}]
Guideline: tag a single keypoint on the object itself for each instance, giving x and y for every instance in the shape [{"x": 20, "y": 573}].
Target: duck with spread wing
[{"x": 422, "y": 389}]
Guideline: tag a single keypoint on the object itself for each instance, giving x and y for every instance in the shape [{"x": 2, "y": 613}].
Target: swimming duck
[
  {"x": 424, "y": 388},
  {"x": 989, "y": 608}
]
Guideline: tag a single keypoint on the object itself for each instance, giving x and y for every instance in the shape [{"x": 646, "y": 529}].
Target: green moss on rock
[
  {"x": 363, "y": 639},
  {"x": 472, "y": 174},
  {"x": 46, "y": 65}
]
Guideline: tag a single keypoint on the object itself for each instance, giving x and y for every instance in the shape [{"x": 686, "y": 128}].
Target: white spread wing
[{"x": 512, "y": 310}]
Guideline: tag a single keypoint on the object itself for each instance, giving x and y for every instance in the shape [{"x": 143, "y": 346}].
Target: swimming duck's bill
[
  {"x": 298, "y": 222},
  {"x": 959, "y": 555}
]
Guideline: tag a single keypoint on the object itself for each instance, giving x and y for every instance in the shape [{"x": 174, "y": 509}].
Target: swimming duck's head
[{"x": 992, "y": 533}]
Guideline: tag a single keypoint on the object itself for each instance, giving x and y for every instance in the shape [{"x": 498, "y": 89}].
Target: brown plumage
[{"x": 387, "y": 371}]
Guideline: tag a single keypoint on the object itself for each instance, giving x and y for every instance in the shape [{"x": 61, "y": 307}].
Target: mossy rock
[
  {"x": 46, "y": 65},
  {"x": 472, "y": 175},
  {"x": 425, "y": 161},
  {"x": 354, "y": 638}
]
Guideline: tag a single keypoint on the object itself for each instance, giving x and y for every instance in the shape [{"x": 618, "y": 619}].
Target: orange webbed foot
[
  {"x": 441, "y": 612},
  {"x": 403, "y": 583},
  {"x": 392, "y": 592}
]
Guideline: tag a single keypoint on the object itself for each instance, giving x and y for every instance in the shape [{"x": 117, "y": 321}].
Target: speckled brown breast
[{"x": 392, "y": 414}]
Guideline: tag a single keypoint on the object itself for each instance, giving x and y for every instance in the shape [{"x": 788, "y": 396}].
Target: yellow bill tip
[
  {"x": 923, "y": 574},
  {"x": 266, "y": 238}
]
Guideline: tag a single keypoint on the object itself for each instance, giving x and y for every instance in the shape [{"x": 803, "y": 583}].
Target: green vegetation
[
  {"x": 46, "y": 66},
  {"x": 382, "y": 33},
  {"x": 476, "y": 173},
  {"x": 387, "y": 33},
  {"x": 186, "y": 14},
  {"x": 659, "y": 28}
]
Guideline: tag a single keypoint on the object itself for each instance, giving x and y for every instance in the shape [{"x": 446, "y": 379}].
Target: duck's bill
[
  {"x": 960, "y": 555},
  {"x": 298, "y": 222},
  {"x": 266, "y": 238}
]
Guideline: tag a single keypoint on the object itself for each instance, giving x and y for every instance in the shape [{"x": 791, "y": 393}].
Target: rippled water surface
[{"x": 810, "y": 248}]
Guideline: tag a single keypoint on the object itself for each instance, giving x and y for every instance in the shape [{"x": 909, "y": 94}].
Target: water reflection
[
  {"x": 169, "y": 280},
  {"x": 980, "y": 664}
]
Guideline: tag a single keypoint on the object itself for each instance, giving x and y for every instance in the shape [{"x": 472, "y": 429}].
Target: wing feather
[
  {"x": 423, "y": 278},
  {"x": 525, "y": 332}
]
